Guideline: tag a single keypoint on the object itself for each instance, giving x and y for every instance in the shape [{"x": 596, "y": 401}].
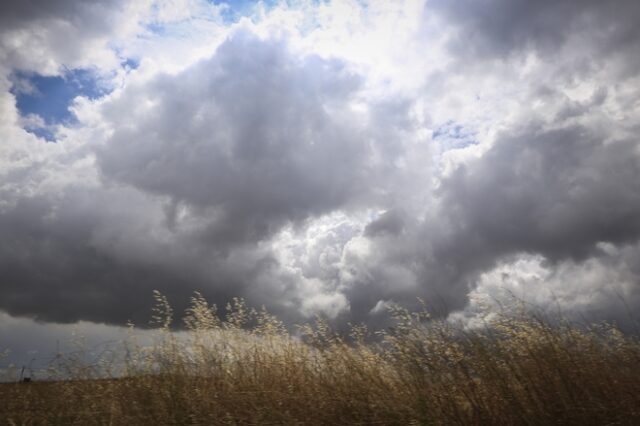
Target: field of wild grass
[{"x": 248, "y": 370}]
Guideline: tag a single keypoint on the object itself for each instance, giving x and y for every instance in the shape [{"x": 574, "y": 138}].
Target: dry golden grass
[{"x": 249, "y": 370}]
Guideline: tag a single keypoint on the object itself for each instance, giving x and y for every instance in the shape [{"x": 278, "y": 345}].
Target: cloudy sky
[{"x": 317, "y": 157}]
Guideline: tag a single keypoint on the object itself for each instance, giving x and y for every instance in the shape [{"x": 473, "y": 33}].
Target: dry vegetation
[{"x": 249, "y": 370}]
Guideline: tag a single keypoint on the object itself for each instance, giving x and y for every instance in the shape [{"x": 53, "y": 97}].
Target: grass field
[{"x": 518, "y": 369}]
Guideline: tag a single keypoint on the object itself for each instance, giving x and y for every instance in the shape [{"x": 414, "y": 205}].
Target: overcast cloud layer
[{"x": 329, "y": 158}]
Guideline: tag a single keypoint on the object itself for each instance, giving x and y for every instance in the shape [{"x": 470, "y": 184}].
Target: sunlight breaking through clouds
[{"x": 326, "y": 157}]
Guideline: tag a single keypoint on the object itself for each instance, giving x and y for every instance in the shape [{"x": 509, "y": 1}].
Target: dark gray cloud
[
  {"x": 53, "y": 271},
  {"x": 390, "y": 222},
  {"x": 502, "y": 27},
  {"x": 89, "y": 254},
  {"x": 557, "y": 192},
  {"x": 82, "y": 13},
  {"x": 43, "y": 36},
  {"x": 253, "y": 137}
]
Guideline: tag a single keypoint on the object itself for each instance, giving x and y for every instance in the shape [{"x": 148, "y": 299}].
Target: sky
[{"x": 322, "y": 157}]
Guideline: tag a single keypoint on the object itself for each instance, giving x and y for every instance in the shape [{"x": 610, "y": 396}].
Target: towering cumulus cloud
[
  {"x": 251, "y": 138},
  {"x": 331, "y": 158}
]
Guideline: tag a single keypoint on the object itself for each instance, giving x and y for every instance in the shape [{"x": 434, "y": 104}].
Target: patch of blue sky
[
  {"x": 237, "y": 9},
  {"x": 156, "y": 28},
  {"x": 130, "y": 63},
  {"x": 44, "y": 132},
  {"x": 126, "y": 62},
  {"x": 453, "y": 135},
  {"x": 49, "y": 97}
]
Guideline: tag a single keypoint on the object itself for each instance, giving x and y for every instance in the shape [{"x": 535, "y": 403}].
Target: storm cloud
[
  {"x": 558, "y": 192},
  {"x": 503, "y": 27},
  {"x": 253, "y": 137},
  {"x": 287, "y": 163}
]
